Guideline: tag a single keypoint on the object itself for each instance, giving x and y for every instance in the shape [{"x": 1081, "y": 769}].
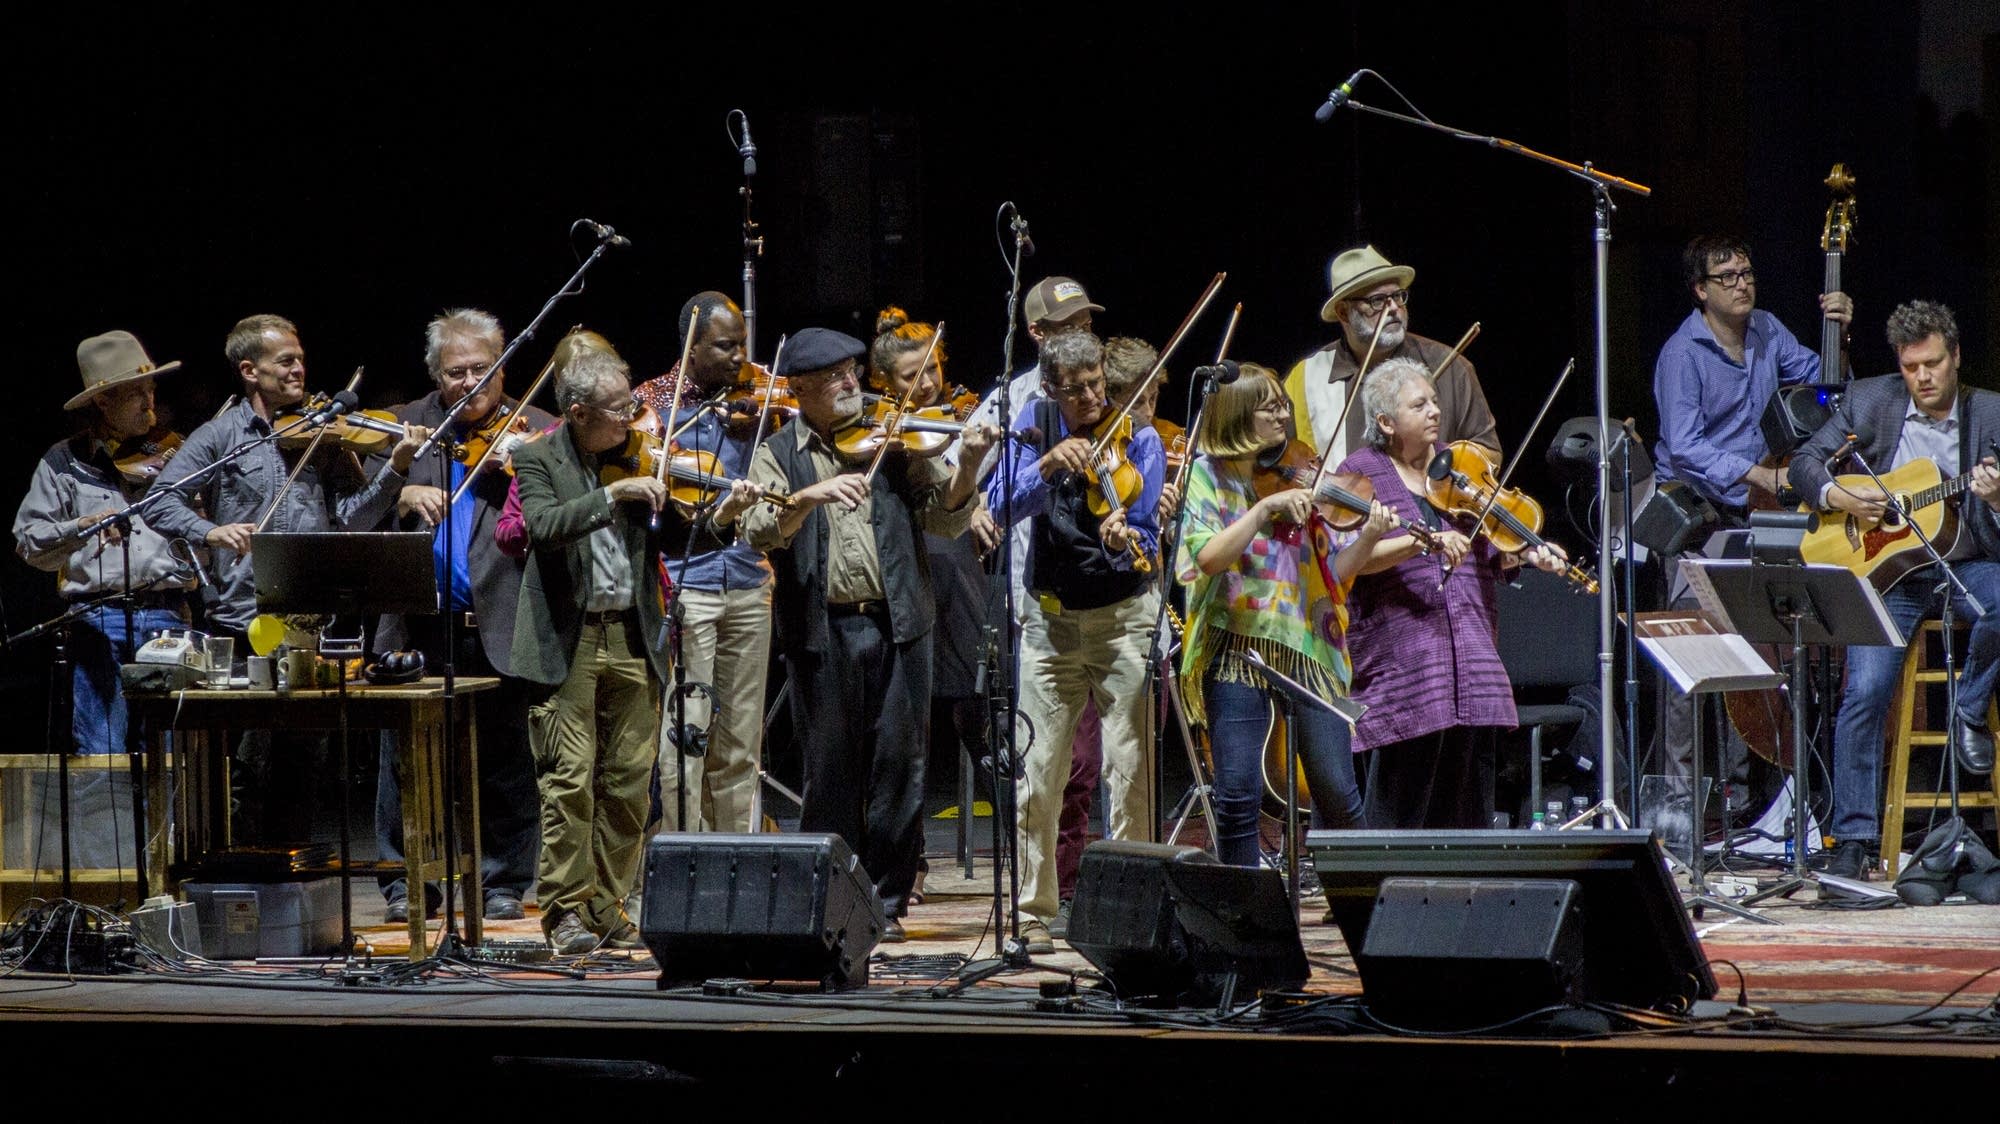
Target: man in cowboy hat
[
  {"x": 1368, "y": 290},
  {"x": 65, "y": 525}
]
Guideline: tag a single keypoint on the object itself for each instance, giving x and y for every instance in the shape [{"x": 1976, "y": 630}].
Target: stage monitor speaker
[
  {"x": 759, "y": 907},
  {"x": 1793, "y": 413},
  {"x": 1638, "y": 947},
  {"x": 1170, "y": 924},
  {"x": 1672, "y": 518},
  {"x": 1572, "y": 454},
  {"x": 1455, "y": 953}
]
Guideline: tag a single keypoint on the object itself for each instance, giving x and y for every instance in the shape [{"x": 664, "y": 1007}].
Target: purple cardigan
[{"x": 1424, "y": 658}]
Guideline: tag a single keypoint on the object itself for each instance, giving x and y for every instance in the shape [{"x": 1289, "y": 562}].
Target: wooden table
[{"x": 197, "y": 725}]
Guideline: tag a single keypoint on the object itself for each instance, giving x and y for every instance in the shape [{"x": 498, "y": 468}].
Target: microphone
[
  {"x": 747, "y": 148},
  {"x": 605, "y": 234},
  {"x": 1857, "y": 436},
  {"x": 1340, "y": 96},
  {"x": 174, "y": 551},
  {"x": 342, "y": 402},
  {"x": 1019, "y": 226},
  {"x": 1222, "y": 373}
]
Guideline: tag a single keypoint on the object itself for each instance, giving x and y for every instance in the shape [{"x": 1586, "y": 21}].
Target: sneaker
[
  {"x": 396, "y": 911},
  {"x": 892, "y": 932},
  {"x": 1059, "y": 927},
  {"x": 1035, "y": 938},
  {"x": 570, "y": 937},
  {"x": 503, "y": 905}
]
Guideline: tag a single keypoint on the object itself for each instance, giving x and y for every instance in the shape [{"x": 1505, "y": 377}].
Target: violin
[
  {"x": 926, "y": 432},
  {"x": 1344, "y": 498},
  {"x": 363, "y": 432},
  {"x": 963, "y": 402},
  {"x": 140, "y": 459},
  {"x": 1173, "y": 439},
  {"x": 691, "y": 476},
  {"x": 1463, "y": 481},
  {"x": 745, "y": 401},
  {"x": 504, "y": 423}
]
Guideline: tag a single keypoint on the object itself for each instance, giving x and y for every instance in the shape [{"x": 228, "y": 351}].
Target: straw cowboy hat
[
  {"x": 110, "y": 360},
  {"x": 1357, "y": 271}
]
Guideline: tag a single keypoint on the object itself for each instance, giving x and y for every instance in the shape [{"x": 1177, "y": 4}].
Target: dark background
[{"x": 359, "y": 169}]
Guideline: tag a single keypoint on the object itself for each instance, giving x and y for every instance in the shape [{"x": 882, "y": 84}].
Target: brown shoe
[{"x": 570, "y": 937}]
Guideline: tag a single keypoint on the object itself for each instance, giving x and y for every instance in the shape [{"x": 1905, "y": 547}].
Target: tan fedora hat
[
  {"x": 111, "y": 359},
  {"x": 1357, "y": 271}
]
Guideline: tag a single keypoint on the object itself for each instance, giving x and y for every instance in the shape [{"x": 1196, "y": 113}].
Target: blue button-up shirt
[{"x": 1711, "y": 405}]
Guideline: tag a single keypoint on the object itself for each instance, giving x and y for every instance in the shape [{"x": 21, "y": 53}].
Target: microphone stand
[
  {"x": 1601, "y": 185},
  {"x": 753, "y": 239},
  {"x": 1001, "y": 660},
  {"x": 1291, "y": 695}
]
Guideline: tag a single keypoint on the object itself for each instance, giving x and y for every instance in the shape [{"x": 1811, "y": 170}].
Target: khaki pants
[
  {"x": 593, "y": 744},
  {"x": 1067, "y": 657},
  {"x": 725, "y": 646}
]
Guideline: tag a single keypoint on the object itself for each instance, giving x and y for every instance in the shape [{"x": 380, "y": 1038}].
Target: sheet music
[{"x": 1699, "y": 656}]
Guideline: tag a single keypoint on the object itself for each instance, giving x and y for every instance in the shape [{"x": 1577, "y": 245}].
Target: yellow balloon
[{"x": 266, "y": 633}]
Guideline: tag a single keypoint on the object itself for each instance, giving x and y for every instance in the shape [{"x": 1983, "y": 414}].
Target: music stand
[
  {"x": 1777, "y": 603},
  {"x": 349, "y": 573},
  {"x": 1701, "y": 659},
  {"x": 1294, "y": 695}
]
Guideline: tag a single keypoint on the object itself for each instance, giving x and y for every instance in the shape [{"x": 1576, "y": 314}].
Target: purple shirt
[
  {"x": 1711, "y": 405},
  {"x": 1424, "y": 656}
]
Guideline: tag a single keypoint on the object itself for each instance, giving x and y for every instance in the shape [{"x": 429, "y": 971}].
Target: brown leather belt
[{"x": 608, "y": 616}]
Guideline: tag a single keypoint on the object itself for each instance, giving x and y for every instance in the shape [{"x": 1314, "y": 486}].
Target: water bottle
[
  {"x": 1554, "y": 816},
  {"x": 1539, "y": 823},
  {"x": 1578, "y": 805}
]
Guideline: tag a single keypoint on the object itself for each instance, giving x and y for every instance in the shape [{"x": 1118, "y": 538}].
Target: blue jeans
[
  {"x": 1239, "y": 717},
  {"x": 1872, "y": 673},
  {"x": 96, "y": 645}
]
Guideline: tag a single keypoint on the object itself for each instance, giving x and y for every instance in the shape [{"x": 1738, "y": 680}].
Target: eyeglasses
[
  {"x": 1275, "y": 409},
  {"x": 1077, "y": 391},
  {"x": 472, "y": 371},
  {"x": 625, "y": 412},
  {"x": 1373, "y": 306},
  {"x": 1732, "y": 278}
]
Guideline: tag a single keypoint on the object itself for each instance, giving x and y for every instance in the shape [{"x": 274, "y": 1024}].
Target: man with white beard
[{"x": 1366, "y": 288}]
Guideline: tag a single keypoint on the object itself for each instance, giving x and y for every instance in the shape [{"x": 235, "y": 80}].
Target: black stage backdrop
[{"x": 360, "y": 168}]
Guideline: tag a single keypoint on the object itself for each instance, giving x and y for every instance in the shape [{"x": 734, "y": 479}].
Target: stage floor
[{"x": 1825, "y": 987}]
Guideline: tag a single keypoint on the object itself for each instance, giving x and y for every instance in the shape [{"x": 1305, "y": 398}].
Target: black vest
[
  {"x": 1068, "y": 559},
  {"x": 800, "y": 593}
]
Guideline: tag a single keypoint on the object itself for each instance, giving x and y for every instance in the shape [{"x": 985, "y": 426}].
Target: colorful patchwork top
[{"x": 1280, "y": 598}]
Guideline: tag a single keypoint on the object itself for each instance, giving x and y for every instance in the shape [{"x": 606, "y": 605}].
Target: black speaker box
[
  {"x": 1170, "y": 923},
  {"x": 759, "y": 907},
  {"x": 1456, "y": 952},
  {"x": 1671, "y": 518},
  {"x": 1794, "y": 413}
]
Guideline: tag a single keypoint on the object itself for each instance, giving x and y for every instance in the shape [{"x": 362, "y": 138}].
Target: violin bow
[
  {"x": 895, "y": 423},
  {"x": 534, "y": 388},
  {"x": 1347, "y": 407},
  {"x": 1201, "y": 419},
  {"x": 304, "y": 459},
  {"x": 1159, "y": 365},
  {"x": 1507, "y": 472},
  {"x": 674, "y": 403},
  {"x": 770, "y": 392}
]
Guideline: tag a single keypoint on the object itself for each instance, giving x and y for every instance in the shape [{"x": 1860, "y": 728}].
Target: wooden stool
[{"x": 1909, "y": 726}]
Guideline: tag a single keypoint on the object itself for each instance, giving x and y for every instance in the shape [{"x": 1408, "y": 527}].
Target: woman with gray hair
[{"x": 1422, "y": 627}]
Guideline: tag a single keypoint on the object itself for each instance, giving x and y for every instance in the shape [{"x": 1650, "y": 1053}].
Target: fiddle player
[
  {"x": 855, "y": 609},
  {"x": 76, "y": 484},
  {"x": 589, "y": 634},
  {"x": 1925, "y": 411},
  {"x": 1264, "y": 575},
  {"x": 221, "y": 509},
  {"x": 1711, "y": 383},
  {"x": 1367, "y": 288},
  {"x": 722, "y": 596},
  {"x": 1423, "y": 641},
  {"x": 902, "y": 361},
  {"x": 1087, "y": 619},
  {"x": 482, "y": 585},
  {"x": 1127, "y": 361}
]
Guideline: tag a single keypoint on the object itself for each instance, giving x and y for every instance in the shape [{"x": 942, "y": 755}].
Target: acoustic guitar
[{"x": 1884, "y": 552}]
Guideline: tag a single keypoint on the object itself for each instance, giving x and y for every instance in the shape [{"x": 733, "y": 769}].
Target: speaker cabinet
[
  {"x": 1170, "y": 923},
  {"x": 759, "y": 907},
  {"x": 1455, "y": 952}
]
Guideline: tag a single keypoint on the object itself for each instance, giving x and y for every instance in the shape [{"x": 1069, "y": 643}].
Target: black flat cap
[{"x": 816, "y": 349}]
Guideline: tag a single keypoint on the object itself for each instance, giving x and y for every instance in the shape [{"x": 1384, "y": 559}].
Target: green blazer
[{"x": 562, "y": 503}]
